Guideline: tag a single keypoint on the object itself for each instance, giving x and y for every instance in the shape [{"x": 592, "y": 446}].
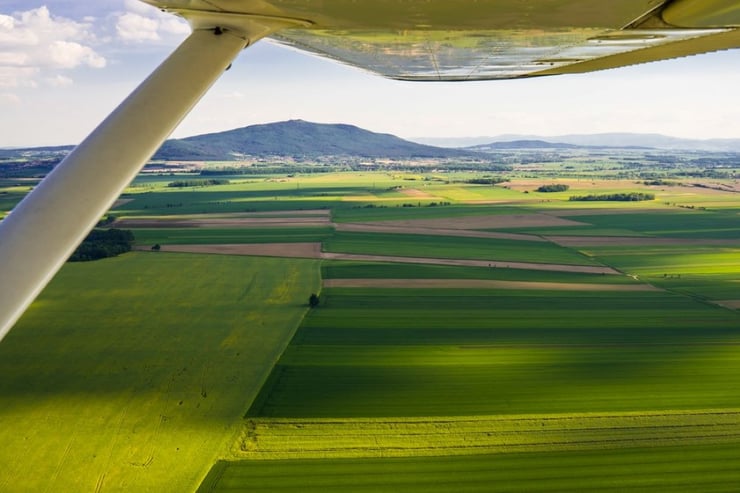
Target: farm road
[{"x": 313, "y": 250}]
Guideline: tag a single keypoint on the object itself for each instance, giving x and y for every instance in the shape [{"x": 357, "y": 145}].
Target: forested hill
[{"x": 300, "y": 139}]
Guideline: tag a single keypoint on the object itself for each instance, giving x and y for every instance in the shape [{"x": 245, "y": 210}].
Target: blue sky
[{"x": 64, "y": 65}]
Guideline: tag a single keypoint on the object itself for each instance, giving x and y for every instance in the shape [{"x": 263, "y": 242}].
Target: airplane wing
[
  {"x": 457, "y": 40},
  {"x": 403, "y": 39}
]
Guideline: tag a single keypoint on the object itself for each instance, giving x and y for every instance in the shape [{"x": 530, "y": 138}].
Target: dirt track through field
[
  {"x": 732, "y": 304},
  {"x": 481, "y": 284},
  {"x": 313, "y": 250}
]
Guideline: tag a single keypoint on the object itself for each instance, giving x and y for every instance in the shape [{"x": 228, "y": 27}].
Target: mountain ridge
[
  {"x": 611, "y": 139},
  {"x": 299, "y": 138}
]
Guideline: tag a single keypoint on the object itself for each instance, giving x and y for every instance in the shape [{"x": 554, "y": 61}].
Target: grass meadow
[
  {"x": 132, "y": 373},
  {"x": 702, "y": 272},
  {"x": 344, "y": 269},
  {"x": 383, "y": 353},
  {"x": 494, "y": 249},
  {"x": 700, "y": 467},
  {"x": 205, "y": 236}
]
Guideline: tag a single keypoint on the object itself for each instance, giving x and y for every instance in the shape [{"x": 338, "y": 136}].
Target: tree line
[
  {"x": 103, "y": 243},
  {"x": 555, "y": 187},
  {"x": 615, "y": 197},
  {"x": 197, "y": 183}
]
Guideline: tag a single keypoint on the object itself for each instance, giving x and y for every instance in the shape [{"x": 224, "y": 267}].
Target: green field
[
  {"x": 680, "y": 468},
  {"x": 131, "y": 374},
  {"x": 494, "y": 249},
  {"x": 204, "y": 236},
  {"x": 345, "y": 269},
  {"x": 705, "y": 273},
  {"x": 436, "y": 352},
  {"x": 146, "y": 371}
]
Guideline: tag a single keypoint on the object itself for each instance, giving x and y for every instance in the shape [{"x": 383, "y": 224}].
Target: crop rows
[
  {"x": 363, "y": 437},
  {"x": 673, "y": 468}
]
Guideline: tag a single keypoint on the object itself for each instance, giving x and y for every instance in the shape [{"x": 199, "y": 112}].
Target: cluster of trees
[
  {"x": 615, "y": 197},
  {"x": 109, "y": 219},
  {"x": 103, "y": 243},
  {"x": 660, "y": 182},
  {"x": 197, "y": 183},
  {"x": 485, "y": 181},
  {"x": 430, "y": 204},
  {"x": 555, "y": 187},
  {"x": 258, "y": 169},
  {"x": 314, "y": 300}
]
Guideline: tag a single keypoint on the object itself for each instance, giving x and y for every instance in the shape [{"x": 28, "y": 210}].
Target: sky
[{"x": 65, "y": 65}]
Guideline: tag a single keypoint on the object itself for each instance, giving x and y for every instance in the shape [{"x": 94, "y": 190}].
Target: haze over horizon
[{"x": 64, "y": 67}]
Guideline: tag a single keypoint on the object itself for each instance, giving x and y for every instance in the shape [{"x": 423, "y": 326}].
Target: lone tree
[
  {"x": 156, "y": 247},
  {"x": 313, "y": 300}
]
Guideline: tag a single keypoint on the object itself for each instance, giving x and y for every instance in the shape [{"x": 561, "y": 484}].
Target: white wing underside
[
  {"x": 481, "y": 55},
  {"x": 451, "y": 40}
]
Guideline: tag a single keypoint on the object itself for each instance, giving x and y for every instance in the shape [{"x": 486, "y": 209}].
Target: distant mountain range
[
  {"x": 294, "y": 138},
  {"x": 299, "y": 138},
  {"x": 522, "y": 144},
  {"x": 619, "y": 140}
]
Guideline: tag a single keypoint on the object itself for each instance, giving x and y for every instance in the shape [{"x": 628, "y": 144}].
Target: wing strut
[{"x": 38, "y": 236}]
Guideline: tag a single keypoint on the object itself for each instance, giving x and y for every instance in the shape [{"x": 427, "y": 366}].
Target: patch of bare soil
[
  {"x": 582, "y": 241},
  {"x": 494, "y": 221},
  {"x": 416, "y": 193},
  {"x": 587, "y": 269},
  {"x": 732, "y": 304},
  {"x": 292, "y": 250},
  {"x": 381, "y": 227},
  {"x": 481, "y": 283},
  {"x": 120, "y": 202}
]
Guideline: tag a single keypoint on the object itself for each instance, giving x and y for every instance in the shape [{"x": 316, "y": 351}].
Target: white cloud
[
  {"x": 138, "y": 7},
  {"x": 59, "y": 81},
  {"x": 135, "y": 27},
  {"x": 142, "y": 22},
  {"x": 34, "y": 41},
  {"x": 68, "y": 54}
]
